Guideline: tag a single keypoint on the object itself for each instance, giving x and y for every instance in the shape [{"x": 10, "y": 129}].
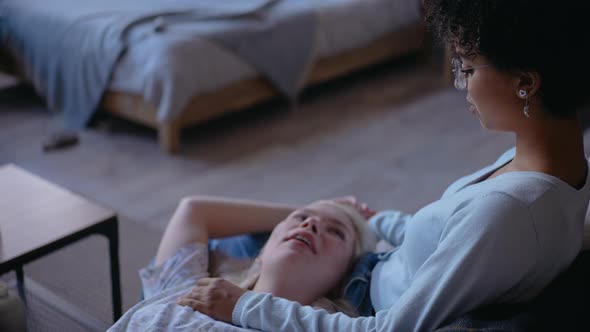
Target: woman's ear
[{"x": 529, "y": 82}]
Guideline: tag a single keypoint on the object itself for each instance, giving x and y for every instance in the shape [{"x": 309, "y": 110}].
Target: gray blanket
[{"x": 69, "y": 48}]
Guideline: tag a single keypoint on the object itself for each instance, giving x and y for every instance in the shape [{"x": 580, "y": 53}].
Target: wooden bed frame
[{"x": 238, "y": 95}]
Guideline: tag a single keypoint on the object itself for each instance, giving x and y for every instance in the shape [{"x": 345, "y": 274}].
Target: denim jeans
[
  {"x": 241, "y": 246},
  {"x": 356, "y": 290}
]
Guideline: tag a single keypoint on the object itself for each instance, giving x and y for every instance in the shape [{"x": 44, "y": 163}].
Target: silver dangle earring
[{"x": 523, "y": 94}]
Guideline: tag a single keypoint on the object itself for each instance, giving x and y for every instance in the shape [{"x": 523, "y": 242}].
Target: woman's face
[
  {"x": 492, "y": 95},
  {"x": 311, "y": 249}
]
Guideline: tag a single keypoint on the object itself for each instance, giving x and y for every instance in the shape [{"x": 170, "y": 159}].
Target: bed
[{"x": 176, "y": 75}]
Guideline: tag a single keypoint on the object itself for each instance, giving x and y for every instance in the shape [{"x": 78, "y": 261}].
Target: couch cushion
[{"x": 562, "y": 306}]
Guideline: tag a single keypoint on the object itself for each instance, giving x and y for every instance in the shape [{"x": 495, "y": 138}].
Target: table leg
[
  {"x": 20, "y": 283},
  {"x": 113, "y": 236}
]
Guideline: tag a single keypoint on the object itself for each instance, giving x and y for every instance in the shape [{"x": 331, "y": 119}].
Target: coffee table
[{"x": 38, "y": 217}]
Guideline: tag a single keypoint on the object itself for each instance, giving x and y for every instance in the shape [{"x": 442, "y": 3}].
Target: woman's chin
[{"x": 473, "y": 110}]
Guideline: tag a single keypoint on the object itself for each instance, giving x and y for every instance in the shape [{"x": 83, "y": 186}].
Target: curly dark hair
[{"x": 547, "y": 37}]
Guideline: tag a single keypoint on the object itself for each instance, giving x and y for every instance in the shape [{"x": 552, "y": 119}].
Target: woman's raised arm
[{"x": 199, "y": 218}]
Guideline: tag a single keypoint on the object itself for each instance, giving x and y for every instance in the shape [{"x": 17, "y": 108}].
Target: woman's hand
[
  {"x": 214, "y": 297},
  {"x": 362, "y": 207}
]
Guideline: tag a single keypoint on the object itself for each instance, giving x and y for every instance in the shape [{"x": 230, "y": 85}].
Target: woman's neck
[
  {"x": 552, "y": 146},
  {"x": 285, "y": 289}
]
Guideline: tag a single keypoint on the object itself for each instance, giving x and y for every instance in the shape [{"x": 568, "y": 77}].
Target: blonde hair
[
  {"x": 366, "y": 240},
  {"x": 245, "y": 272}
]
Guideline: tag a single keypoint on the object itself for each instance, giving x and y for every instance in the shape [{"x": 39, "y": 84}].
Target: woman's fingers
[
  {"x": 194, "y": 304},
  {"x": 214, "y": 297},
  {"x": 366, "y": 211},
  {"x": 350, "y": 200},
  {"x": 362, "y": 207},
  {"x": 206, "y": 281}
]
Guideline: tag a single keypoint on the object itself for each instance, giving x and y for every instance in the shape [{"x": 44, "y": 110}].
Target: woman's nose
[{"x": 311, "y": 223}]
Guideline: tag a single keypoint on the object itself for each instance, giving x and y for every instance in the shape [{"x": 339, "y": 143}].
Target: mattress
[{"x": 169, "y": 67}]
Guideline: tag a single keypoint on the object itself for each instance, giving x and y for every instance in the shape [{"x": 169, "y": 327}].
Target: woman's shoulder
[
  {"x": 506, "y": 192},
  {"x": 495, "y": 205},
  {"x": 535, "y": 207},
  {"x": 525, "y": 187}
]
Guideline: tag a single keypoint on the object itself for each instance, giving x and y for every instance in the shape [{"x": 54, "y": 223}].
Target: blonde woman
[{"x": 306, "y": 258}]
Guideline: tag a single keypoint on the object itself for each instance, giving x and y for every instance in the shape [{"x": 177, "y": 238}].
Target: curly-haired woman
[{"x": 501, "y": 234}]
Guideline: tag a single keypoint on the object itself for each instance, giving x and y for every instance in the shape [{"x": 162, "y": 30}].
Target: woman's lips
[
  {"x": 305, "y": 239},
  {"x": 299, "y": 242}
]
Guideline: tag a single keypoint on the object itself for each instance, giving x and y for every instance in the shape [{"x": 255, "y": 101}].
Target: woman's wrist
[{"x": 238, "y": 318}]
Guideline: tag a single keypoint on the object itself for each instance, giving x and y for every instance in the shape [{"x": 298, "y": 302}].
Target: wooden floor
[
  {"x": 394, "y": 135},
  {"x": 391, "y": 120}
]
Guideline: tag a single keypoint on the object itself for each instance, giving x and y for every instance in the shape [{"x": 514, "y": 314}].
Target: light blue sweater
[{"x": 499, "y": 240}]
